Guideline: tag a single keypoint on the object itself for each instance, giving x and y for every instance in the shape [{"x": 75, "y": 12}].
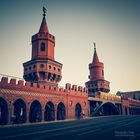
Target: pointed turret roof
[
  {"x": 43, "y": 26},
  {"x": 95, "y": 57}
]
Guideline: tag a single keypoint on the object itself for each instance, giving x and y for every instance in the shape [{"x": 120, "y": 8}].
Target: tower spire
[
  {"x": 94, "y": 46},
  {"x": 44, "y": 27},
  {"x": 95, "y": 57}
]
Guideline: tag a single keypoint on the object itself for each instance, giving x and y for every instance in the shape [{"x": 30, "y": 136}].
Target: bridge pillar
[
  {"x": 27, "y": 119},
  {"x": 128, "y": 112},
  {"x": 43, "y": 115},
  {"x": 10, "y": 113},
  {"x": 119, "y": 109},
  {"x": 55, "y": 114},
  {"x": 123, "y": 110},
  {"x": 89, "y": 108}
]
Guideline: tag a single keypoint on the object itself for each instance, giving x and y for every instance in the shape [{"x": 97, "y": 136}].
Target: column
[
  {"x": 10, "y": 113},
  {"x": 43, "y": 119},
  {"x": 55, "y": 111},
  {"x": 27, "y": 115}
]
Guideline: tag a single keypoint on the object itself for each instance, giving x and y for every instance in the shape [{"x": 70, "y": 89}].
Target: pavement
[{"x": 96, "y": 128}]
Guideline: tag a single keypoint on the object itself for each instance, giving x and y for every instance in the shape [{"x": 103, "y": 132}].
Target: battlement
[
  {"x": 42, "y": 36},
  {"x": 99, "y": 64},
  {"x": 5, "y": 82},
  {"x": 68, "y": 86}
]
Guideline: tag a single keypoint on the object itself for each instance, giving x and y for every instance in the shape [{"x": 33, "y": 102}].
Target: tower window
[
  {"x": 102, "y": 72},
  {"x": 42, "y": 47},
  {"x": 49, "y": 66}
]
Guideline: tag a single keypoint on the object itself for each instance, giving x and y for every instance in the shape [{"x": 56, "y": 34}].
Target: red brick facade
[
  {"x": 39, "y": 98},
  {"x": 27, "y": 93}
]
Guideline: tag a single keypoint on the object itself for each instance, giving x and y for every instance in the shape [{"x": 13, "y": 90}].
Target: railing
[{"x": 110, "y": 97}]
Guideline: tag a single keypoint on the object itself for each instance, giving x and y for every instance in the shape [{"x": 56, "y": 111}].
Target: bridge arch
[
  {"x": 61, "y": 111},
  {"x": 3, "y": 111},
  {"x": 19, "y": 114},
  {"x": 78, "y": 110},
  {"x": 35, "y": 114},
  {"x": 49, "y": 114},
  {"x": 107, "y": 108}
]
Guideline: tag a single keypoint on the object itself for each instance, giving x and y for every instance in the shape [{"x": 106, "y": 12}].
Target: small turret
[{"x": 96, "y": 83}]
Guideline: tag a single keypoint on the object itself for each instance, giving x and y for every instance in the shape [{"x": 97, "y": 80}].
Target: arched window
[
  {"x": 42, "y": 47},
  {"x": 19, "y": 112},
  {"x": 35, "y": 114},
  {"x": 3, "y": 112},
  {"x": 78, "y": 110},
  {"x": 61, "y": 111},
  {"x": 49, "y": 114}
]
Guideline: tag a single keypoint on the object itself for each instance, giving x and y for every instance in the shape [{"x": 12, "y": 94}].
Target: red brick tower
[
  {"x": 42, "y": 68},
  {"x": 96, "y": 83}
]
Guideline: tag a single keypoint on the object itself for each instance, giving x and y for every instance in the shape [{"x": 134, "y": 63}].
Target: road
[{"x": 108, "y": 128}]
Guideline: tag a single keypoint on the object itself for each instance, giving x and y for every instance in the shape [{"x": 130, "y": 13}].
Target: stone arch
[
  {"x": 49, "y": 114},
  {"x": 20, "y": 97},
  {"x": 78, "y": 110},
  {"x": 107, "y": 108},
  {"x": 61, "y": 111},
  {"x": 19, "y": 114},
  {"x": 3, "y": 111},
  {"x": 35, "y": 114}
]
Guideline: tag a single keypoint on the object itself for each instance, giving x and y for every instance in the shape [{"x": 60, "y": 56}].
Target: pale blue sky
[{"x": 113, "y": 24}]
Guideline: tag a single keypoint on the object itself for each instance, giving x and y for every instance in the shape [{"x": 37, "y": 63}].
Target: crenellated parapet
[
  {"x": 41, "y": 88},
  {"x": 74, "y": 90},
  {"x": 68, "y": 86},
  {"x": 43, "y": 36}
]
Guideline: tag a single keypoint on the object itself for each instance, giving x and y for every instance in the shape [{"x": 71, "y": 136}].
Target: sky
[{"x": 113, "y": 24}]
